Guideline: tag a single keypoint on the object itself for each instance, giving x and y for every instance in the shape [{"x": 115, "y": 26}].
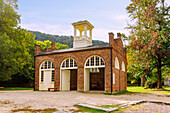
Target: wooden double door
[{"x": 97, "y": 80}]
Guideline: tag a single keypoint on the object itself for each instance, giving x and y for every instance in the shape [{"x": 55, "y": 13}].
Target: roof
[
  {"x": 85, "y": 22},
  {"x": 74, "y": 49}
]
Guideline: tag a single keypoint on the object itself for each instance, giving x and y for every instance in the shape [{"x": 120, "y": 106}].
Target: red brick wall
[{"x": 81, "y": 57}]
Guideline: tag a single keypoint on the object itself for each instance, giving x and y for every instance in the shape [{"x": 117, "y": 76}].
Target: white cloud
[{"x": 50, "y": 29}]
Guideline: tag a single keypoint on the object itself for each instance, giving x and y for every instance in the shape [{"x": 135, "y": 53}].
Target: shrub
[{"x": 151, "y": 83}]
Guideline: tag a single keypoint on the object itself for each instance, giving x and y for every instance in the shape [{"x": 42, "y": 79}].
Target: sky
[{"x": 55, "y": 16}]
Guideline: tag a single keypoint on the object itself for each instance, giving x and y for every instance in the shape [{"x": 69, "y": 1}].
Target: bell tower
[{"x": 82, "y": 34}]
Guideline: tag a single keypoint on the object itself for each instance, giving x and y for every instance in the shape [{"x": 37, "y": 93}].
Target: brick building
[{"x": 84, "y": 67}]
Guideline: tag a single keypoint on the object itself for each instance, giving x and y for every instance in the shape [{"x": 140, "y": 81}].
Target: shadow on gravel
[{"x": 35, "y": 110}]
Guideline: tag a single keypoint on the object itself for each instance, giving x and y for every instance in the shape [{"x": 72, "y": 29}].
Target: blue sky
[{"x": 55, "y": 16}]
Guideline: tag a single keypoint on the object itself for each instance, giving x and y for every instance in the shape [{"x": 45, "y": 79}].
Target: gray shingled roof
[{"x": 75, "y": 49}]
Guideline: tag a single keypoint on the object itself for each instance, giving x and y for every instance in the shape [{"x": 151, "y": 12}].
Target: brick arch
[
  {"x": 86, "y": 58},
  {"x": 47, "y": 59}
]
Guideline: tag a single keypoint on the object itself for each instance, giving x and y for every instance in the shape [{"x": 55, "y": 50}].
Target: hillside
[{"x": 67, "y": 40}]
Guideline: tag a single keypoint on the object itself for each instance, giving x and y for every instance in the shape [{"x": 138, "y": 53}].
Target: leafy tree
[
  {"x": 47, "y": 44},
  {"x": 149, "y": 36},
  {"x": 15, "y": 43},
  {"x": 61, "y": 46}
]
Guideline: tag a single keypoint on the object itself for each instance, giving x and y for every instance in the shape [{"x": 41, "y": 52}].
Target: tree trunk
[
  {"x": 143, "y": 80},
  {"x": 159, "y": 81}
]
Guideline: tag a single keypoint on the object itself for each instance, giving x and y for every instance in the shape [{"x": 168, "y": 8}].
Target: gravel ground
[
  {"x": 148, "y": 108},
  {"x": 27, "y": 99}
]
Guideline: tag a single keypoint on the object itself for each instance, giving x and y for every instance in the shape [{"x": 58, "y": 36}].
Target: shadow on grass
[
  {"x": 16, "y": 88},
  {"x": 123, "y": 93}
]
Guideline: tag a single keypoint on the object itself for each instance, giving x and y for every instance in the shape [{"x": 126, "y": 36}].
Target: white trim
[
  {"x": 117, "y": 63},
  {"x": 94, "y": 66},
  {"x": 100, "y": 59},
  {"x": 100, "y": 66},
  {"x": 44, "y": 70},
  {"x": 69, "y": 68},
  {"x": 65, "y": 68},
  {"x": 113, "y": 78},
  {"x": 64, "y": 61},
  {"x": 123, "y": 66}
]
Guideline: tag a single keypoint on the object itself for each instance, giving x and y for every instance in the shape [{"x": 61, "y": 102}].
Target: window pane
[
  {"x": 87, "y": 64},
  {"x": 52, "y": 77},
  {"x": 75, "y": 64},
  {"x": 97, "y": 61},
  {"x": 67, "y": 63},
  {"x": 42, "y": 66},
  {"x": 102, "y": 62},
  {"x": 64, "y": 64},
  {"x": 92, "y": 61},
  {"x": 52, "y": 65},
  {"x": 49, "y": 64},
  {"x": 42, "y": 76},
  {"x": 71, "y": 62},
  {"x": 45, "y": 64}
]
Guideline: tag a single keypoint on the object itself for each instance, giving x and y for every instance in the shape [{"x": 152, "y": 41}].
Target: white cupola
[{"x": 82, "y": 34}]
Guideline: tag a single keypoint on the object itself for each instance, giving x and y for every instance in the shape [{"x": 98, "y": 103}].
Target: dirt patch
[
  {"x": 5, "y": 102},
  {"x": 35, "y": 110}
]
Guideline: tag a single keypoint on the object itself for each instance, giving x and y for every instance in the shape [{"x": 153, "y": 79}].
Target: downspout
[
  {"x": 111, "y": 71},
  {"x": 34, "y": 73}
]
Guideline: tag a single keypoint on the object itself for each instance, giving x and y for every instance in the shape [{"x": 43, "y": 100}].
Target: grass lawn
[
  {"x": 91, "y": 110},
  {"x": 135, "y": 89},
  {"x": 167, "y": 88},
  {"x": 16, "y": 88}
]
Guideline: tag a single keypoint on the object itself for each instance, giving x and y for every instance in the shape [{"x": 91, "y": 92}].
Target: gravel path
[
  {"x": 12, "y": 100},
  {"x": 148, "y": 108}
]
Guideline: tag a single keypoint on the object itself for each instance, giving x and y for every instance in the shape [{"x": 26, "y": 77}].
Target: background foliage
[{"x": 149, "y": 40}]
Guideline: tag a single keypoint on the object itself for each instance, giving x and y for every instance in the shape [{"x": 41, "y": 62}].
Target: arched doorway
[
  {"x": 68, "y": 76},
  {"x": 94, "y": 73},
  {"x": 46, "y": 75}
]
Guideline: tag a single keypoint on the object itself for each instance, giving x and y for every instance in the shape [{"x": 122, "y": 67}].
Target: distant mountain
[{"x": 67, "y": 40}]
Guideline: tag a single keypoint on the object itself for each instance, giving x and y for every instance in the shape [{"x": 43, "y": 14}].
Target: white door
[
  {"x": 86, "y": 79},
  {"x": 46, "y": 83},
  {"x": 65, "y": 80},
  {"x": 47, "y": 79}
]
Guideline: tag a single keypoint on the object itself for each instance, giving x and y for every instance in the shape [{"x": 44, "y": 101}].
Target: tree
[
  {"x": 149, "y": 36},
  {"x": 61, "y": 46},
  {"x": 16, "y": 44},
  {"x": 46, "y": 44}
]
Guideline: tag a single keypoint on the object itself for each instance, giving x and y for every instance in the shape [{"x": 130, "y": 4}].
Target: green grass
[
  {"x": 108, "y": 106},
  {"x": 135, "y": 89},
  {"x": 91, "y": 110},
  {"x": 86, "y": 109},
  {"x": 122, "y": 92},
  {"x": 167, "y": 88},
  {"x": 16, "y": 88}
]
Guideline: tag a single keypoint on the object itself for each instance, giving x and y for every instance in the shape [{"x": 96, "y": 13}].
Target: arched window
[
  {"x": 123, "y": 66},
  {"x": 47, "y": 66},
  {"x": 69, "y": 63},
  {"x": 94, "y": 61},
  {"x": 116, "y": 63}
]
